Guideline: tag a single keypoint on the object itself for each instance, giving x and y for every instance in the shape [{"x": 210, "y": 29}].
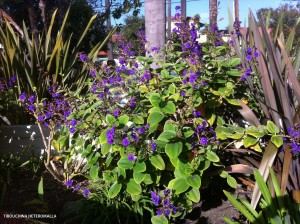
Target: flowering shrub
[{"x": 154, "y": 134}]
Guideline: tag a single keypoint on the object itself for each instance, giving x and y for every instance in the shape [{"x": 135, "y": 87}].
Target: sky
[{"x": 201, "y": 7}]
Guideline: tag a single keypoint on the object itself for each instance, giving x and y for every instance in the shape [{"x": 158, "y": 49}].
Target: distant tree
[
  {"x": 133, "y": 24},
  {"x": 290, "y": 14}
]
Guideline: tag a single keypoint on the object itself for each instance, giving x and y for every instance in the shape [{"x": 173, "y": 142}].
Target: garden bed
[{"x": 23, "y": 188}]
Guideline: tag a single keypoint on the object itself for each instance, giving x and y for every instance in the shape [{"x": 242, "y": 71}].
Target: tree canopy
[{"x": 290, "y": 13}]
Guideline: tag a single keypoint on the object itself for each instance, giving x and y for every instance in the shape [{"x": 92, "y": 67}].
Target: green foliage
[{"x": 274, "y": 209}]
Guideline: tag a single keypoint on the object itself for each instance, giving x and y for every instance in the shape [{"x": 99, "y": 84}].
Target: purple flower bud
[
  {"x": 131, "y": 157},
  {"x": 153, "y": 146},
  {"x": 126, "y": 142},
  {"x": 86, "y": 192},
  {"x": 116, "y": 113},
  {"x": 92, "y": 73},
  {"x": 203, "y": 141},
  {"x": 22, "y": 97},
  {"x": 69, "y": 183},
  {"x": 73, "y": 122}
]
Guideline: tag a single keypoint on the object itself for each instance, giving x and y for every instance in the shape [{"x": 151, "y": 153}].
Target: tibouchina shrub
[{"x": 151, "y": 137}]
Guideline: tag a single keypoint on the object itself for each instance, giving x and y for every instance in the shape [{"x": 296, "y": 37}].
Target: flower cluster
[
  {"x": 294, "y": 139},
  {"x": 162, "y": 202},
  {"x": 70, "y": 184}
]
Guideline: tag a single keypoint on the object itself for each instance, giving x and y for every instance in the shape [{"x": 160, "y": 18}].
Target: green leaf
[
  {"x": 169, "y": 126},
  {"x": 234, "y": 72},
  {"x": 110, "y": 120},
  {"x": 94, "y": 172},
  {"x": 41, "y": 189},
  {"x": 212, "y": 156},
  {"x": 277, "y": 140},
  {"x": 159, "y": 220},
  {"x": 170, "y": 108},
  {"x": 102, "y": 137},
  {"x": 249, "y": 141},
  {"x": 187, "y": 132},
  {"x": 114, "y": 190},
  {"x": 194, "y": 195},
  {"x": 123, "y": 119},
  {"x": 154, "y": 118},
  {"x": 233, "y": 102},
  {"x": 173, "y": 149},
  {"x": 139, "y": 177},
  {"x": 105, "y": 148},
  {"x": 167, "y": 135},
  {"x": 231, "y": 181},
  {"x": 165, "y": 74},
  {"x": 234, "y": 62},
  {"x": 272, "y": 128},
  {"x": 139, "y": 167},
  {"x": 194, "y": 181},
  {"x": 172, "y": 89},
  {"x": 125, "y": 163},
  {"x": 138, "y": 119},
  {"x": 155, "y": 99},
  {"x": 158, "y": 162},
  {"x": 180, "y": 185},
  {"x": 133, "y": 187}
]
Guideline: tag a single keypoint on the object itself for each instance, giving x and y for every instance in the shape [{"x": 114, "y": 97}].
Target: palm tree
[
  {"x": 155, "y": 23},
  {"x": 213, "y": 12}
]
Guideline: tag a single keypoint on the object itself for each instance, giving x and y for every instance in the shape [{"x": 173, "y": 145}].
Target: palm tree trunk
[
  {"x": 155, "y": 23},
  {"x": 32, "y": 18},
  {"x": 213, "y": 12}
]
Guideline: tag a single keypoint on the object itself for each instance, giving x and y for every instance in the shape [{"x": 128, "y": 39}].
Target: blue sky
[{"x": 201, "y": 7}]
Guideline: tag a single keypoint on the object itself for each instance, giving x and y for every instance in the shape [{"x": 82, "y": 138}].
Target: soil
[{"x": 211, "y": 210}]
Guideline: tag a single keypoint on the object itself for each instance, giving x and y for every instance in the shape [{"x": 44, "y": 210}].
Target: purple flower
[
  {"x": 167, "y": 212},
  {"x": 92, "y": 72},
  {"x": 153, "y": 146},
  {"x": 248, "y": 72},
  {"x": 48, "y": 114},
  {"x": 126, "y": 142},
  {"x": 182, "y": 93},
  {"x": 111, "y": 80},
  {"x": 122, "y": 61},
  {"x": 40, "y": 118},
  {"x": 100, "y": 95},
  {"x": 177, "y": 7},
  {"x": 155, "y": 198},
  {"x": 155, "y": 49},
  {"x": 231, "y": 42},
  {"x": 203, "y": 141},
  {"x": 249, "y": 57},
  {"x": 131, "y": 157},
  {"x": 203, "y": 83},
  {"x": 196, "y": 113},
  {"x": 31, "y": 107},
  {"x": 141, "y": 130},
  {"x": 167, "y": 192},
  {"x": 159, "y": 212},
  {"x": 110, "y": 136},
  {"x": 116, "y": 113},
  {"x": 73, "y": 122},
  {"x": 192, "y": 78},
  {"x": 249, "y": 50},
  {"x": 72, "y": 130},
  {"x": 22, "y": 97},
  {"x": 256, "y": 54},
  {"x": 83, "y": 57},
  {"x": 32, "y": 98},
  {"x": 69, "y": 183},
  {"x": 86, "y": 192},
  {"x": 136, "y": 65},
  {"x": 166, "y": 202}
]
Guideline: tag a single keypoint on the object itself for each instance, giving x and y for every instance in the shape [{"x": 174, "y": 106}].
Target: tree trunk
[
  {"x": 155, "y": 22},
  {"x": 213, "y": 12},
  {"x": 183, "y": 10},
  {"x": 236, "y": 10},
  {"x": 32, "y": 18}
]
